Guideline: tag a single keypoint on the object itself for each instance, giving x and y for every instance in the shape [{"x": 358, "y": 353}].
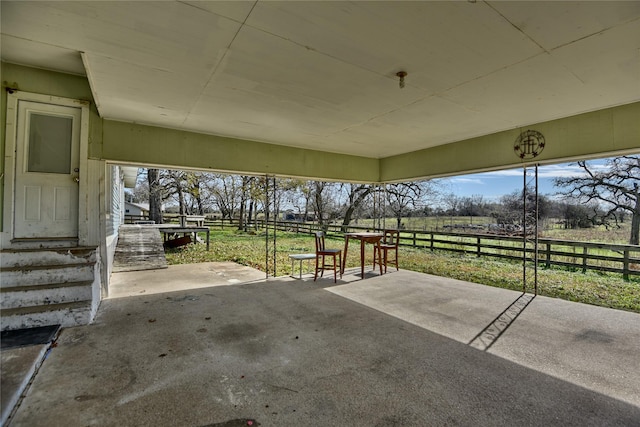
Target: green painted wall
[
  {"x": 50, "y": 83},
  {"x": 127, "y": 142},
  {"x": 597, "y": 134}
]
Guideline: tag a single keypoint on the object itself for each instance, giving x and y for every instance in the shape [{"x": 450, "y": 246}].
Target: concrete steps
[
  {"x": 35, "y": 257},
  {"x": 40, "y": 287},
  {"x": 54, "y": 293}
]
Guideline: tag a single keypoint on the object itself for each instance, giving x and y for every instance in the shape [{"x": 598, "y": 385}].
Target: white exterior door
[{"x": 47, "y": 171}]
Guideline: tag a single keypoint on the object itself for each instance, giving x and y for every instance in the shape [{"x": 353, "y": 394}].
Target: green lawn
[{"x": 607, "y": 290}]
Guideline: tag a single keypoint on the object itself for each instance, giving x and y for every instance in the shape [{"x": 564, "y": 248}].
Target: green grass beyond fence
[{"x": 597, "y": 288}]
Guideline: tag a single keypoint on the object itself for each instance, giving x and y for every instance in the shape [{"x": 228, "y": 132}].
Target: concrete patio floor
[{"x": 402, "y": 349}]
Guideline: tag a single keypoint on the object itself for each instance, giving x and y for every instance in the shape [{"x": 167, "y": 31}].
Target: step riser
[
  {"x": 49, "y": 244},
  {"x": 28, "y": 277},
  {"x": 65, "y": 318},
  {"x": 9, "y": 259},
  {"x": 45, "y": 296}
]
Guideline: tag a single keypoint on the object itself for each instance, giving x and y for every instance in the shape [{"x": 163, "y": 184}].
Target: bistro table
[{"x": 364, "y": 237}]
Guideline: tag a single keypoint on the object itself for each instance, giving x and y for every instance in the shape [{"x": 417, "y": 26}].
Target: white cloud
[
  {"x": 467, "y": 180},
  {"x": 547, "y": 171},
  {"x": 559, "y": 171},
  {"x": 496, "y": 183}
]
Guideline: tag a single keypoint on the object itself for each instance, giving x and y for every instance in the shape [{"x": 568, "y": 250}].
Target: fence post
[
  {"x": 585, "y": 250},
  {"x": 548, "y": 263},
  {"x": 478, "y": 246},
  {"x": 414, "y": 238},
  {"x": 431, "y": 244},
  {"x": 625, "y": 265}
]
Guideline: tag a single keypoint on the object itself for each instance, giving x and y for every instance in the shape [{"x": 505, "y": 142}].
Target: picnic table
[{"x": 169, "y": 231}]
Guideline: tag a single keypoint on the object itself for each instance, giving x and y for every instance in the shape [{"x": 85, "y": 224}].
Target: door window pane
[{"x": 49, "y": 144}]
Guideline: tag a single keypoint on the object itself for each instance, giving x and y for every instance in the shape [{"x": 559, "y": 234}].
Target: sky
[{"x": 493, "y": 185}]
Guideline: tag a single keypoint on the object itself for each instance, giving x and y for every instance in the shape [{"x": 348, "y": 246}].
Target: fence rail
[{"x": 581, "y": 256}]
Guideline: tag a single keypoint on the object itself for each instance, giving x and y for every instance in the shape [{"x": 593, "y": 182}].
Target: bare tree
[
  {"x": 510, "y": 212},
  {"x": 472, "y": 206},
  {"x": 576, "y": 215},
  {"x": 324, "y": 202},
  {"x": 356, "y": 195},
  {"x": 452, "y": 202},
  {"x": 226, "y": 193},
  {"x": 140, "y": 193},
  {"x": 193, "y": 188},
  {"x": 403, "y": 197},
  {"x": 615, "y": 188},
  {"x": 194, "y": 192},
  {"x": 174, "y": 183},
  {"x": 244, "y": 196},
  {"x": 300, "y": 196}
]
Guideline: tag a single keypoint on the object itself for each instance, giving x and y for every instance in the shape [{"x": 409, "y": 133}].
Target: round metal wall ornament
[{"x": 529, "y": 144}]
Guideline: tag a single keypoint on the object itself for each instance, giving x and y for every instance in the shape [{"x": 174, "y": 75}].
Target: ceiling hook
[{"x": 402, "y": 75}]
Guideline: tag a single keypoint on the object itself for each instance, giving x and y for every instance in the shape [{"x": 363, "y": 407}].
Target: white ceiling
[{"x": 321, "y": 75}]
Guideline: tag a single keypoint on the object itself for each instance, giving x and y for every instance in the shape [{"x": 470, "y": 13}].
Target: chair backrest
[
  {"x": 391, "y": 237},
  {"x": 319, "y": 241}
]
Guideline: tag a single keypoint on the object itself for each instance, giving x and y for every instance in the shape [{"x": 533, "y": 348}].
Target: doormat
[{"x": 29, "y": 336}]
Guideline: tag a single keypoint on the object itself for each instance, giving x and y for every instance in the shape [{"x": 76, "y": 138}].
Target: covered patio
[
  {"x": 399, "y": 349},
  {"x": 312, "y": 90}
]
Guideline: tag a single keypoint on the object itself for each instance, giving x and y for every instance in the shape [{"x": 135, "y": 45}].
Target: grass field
[
  {"x": 607, "y": 290},
  {"x": 548, "y": 229}
]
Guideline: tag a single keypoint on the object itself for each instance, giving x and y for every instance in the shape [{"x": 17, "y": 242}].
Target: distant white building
[{"x": 136, "y": 209}]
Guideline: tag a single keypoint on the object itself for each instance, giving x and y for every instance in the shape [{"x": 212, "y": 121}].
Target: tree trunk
[
  {"x": 635, "y": 229},
  {"x": 360, "y": 195},
  {"x": 319, "y": 204},
  {"x": 347, "y": 218},
  {"x": 241, "y": 226},
  {"x": 200, "y": 205},
  {"x": 243, "y": 201},
  {"x": 634, "y": 239},
  {"x": 180, "y": 197},
  {"x": 198, "y": 197},
  {"x": 155, "y": 196},
  {"x": 250, "y": 214}
]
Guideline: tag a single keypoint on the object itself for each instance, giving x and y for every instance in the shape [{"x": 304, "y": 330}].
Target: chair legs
[
  {"x": 388, "y": 261},
  {"x": 385, "y": 257},
  {"x": 375, "y": 256},
  {"x": 322, "y": 266}
]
